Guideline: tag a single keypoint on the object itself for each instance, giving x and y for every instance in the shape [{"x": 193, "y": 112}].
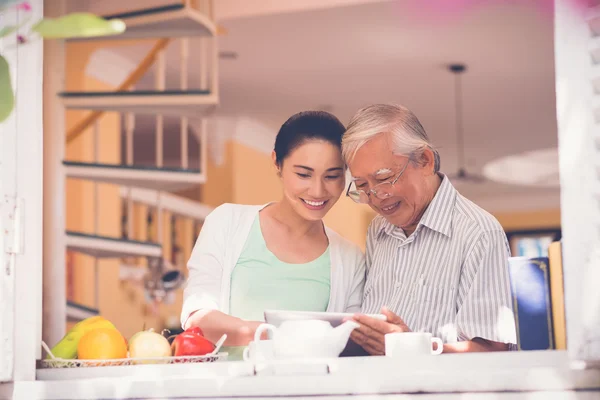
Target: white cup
[
  {"x": 403, "y": 344},
  {"x": 262, "y": 328},
  {"x": 259, "y": 351}
]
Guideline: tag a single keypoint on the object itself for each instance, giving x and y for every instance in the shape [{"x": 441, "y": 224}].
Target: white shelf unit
[
  {"x": 108, "y": 247},
  {"x": 169, "y": 202},
  {"x": 193, "y": 103},
  {"x": 181, "y": 20},
  {"x": 168, "y": 179},
  {"x": 162, "y": 202},
  {"x": 172, "y": 20}
]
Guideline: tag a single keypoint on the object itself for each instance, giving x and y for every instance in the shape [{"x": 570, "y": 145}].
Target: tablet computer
[{"x": 276, "y": 317}]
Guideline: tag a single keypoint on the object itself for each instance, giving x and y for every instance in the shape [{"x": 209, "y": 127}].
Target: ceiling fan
[{"x": 461, "y": 175}]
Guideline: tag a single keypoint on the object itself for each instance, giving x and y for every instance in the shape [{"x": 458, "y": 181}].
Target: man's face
[{"x": 375, "y": 163}]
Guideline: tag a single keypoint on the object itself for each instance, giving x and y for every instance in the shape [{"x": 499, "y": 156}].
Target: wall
[
  {"x": 219, "y": 187},
  {"x": 122, "y": 303},
  {"x": 229, "y": 9},
  {"x": 80, "y": 199},
  {"x": 529, "y": 220},
  {"x": 510, "y": 221}
]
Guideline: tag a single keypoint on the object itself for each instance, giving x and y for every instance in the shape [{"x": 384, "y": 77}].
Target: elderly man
[{"x": 436, "y": 262}]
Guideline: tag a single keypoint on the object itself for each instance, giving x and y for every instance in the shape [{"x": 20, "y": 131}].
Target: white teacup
[
  {"x": 259, "y": 351},
  {"x": 402, "y": 344}
]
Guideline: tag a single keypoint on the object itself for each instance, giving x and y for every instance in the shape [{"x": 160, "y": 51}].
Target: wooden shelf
[
  {"x": 78, "y": 312},
  {"x": 109, "y": 247},
  {"x": 166, "y": 179},
  {"x": 174, "y": 20},
  {"x": 191, "y": 103}
]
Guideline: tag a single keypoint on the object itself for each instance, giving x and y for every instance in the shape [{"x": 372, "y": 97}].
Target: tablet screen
[{"x": 276, "y": 317}]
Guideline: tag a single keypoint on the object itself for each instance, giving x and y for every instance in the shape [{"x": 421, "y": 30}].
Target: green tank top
[{"x": 260, "y": 281}]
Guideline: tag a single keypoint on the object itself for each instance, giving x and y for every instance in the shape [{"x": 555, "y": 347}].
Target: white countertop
[{"x": 365, "y": 376}]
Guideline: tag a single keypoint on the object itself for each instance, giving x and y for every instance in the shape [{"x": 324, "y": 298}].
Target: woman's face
[{"x": 313, "y": 178}]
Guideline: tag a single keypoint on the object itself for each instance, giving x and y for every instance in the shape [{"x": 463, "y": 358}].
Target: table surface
[{"x": 474, "y": 375}]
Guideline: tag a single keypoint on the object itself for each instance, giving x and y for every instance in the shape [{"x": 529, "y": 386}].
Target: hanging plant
[{"x": 73, "y": 25}]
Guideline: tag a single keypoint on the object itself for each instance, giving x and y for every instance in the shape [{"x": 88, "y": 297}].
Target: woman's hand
[{"x": 215, "y": 323}]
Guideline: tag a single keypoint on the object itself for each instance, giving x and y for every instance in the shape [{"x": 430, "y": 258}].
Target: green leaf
[
  {"x": 78, "y": 25},
  {"x": 7, "y": 30},
  {"x": 7, "y": 99}
]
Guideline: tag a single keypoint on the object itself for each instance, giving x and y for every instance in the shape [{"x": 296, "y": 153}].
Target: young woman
[{"x": 280, "y": 255}]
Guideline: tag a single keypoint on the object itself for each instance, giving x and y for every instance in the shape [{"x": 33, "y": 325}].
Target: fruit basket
[{"x": 56, "y": 362}]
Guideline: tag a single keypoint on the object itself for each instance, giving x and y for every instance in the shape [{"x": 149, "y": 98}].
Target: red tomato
[{"x": 191, "y": 343}]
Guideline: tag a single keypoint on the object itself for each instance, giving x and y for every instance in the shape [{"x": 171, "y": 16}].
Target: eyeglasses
[{"x": 381, "y": 190}]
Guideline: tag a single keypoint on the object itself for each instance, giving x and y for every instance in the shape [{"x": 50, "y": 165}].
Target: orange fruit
[{"x": 102, "y": 344}]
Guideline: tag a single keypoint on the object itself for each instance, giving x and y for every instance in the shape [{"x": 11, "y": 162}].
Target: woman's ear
[{"x": 274, "y": 158}]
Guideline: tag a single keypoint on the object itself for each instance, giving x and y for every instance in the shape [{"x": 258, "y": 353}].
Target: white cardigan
[{"x": 218, "y": 249}]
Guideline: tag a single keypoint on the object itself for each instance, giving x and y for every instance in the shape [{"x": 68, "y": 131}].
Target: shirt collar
[{"x": 437, "y": 216}]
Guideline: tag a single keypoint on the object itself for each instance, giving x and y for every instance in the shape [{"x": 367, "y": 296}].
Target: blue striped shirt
[{"x": 450, "y": 277}]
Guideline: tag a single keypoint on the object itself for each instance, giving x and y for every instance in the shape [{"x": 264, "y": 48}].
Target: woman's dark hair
[{"x": 307, "y": 125}]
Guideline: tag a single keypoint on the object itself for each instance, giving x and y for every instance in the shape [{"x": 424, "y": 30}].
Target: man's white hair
[{"x": 407, "y": 133}]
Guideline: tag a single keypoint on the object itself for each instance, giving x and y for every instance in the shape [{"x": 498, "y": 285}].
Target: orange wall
[
  {"x": 516, "y": 221},
  {"x": 121, "y": 302},
  {"x": 219, "y": 186},
  {"x": 529, "y": 220}
]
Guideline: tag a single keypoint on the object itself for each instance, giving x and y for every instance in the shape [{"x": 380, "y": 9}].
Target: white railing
[{"x": 166, "y": 201}]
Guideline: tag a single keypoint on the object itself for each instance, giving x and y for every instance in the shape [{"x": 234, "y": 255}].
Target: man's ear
[
  {"x": 427, "y": 161},
  {"x": 274, "y": 158}
]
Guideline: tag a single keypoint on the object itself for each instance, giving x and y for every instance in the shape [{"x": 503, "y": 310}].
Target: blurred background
[{"x": 275, "y": 58}]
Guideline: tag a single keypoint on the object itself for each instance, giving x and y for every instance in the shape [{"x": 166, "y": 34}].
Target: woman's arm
[
  {"x": 205, "y": 266},
  {"x": 202, "y": 294},
  {"x": 215, "y": 323}
]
